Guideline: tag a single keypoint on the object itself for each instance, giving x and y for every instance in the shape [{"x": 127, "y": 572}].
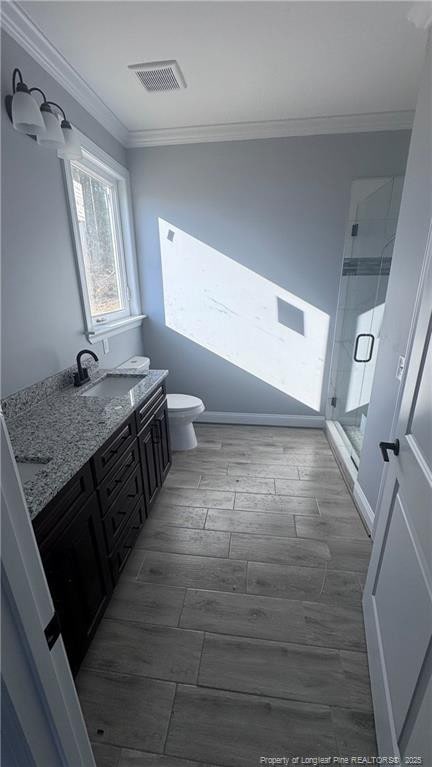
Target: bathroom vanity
[{"x": 87, "y": 529}]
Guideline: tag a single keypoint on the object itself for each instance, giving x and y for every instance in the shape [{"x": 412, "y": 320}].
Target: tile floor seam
[
  {"x": 276, "y": 697},
  {"x": 200, "y": 659},
  {"x": 149, "y": 624},
  {"x": 169, "y": 719},
  {"x": 221, "y": 557},
  {"x": 165, "y": 525},
  {"x": 142, "y": 564},
  {"x": 246, "y": 561},
  {"x": 229, "y": 550},
  {"x": 175, "y": 682},
  {"x": 324, "y": 579},
  {"x": 182, "y": 608},
  {"x": 239, "y": 561},
  {"x": 307, "y": 644}
]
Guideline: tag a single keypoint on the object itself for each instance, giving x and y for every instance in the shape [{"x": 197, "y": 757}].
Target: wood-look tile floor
[{"x": 236, "y": 629}]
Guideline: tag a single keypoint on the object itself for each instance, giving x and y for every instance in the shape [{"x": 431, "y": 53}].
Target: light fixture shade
[
  {"x": 26, "y": 115},
  {"x": 53, "y": 135},
  {"x": 71, "y": 149}
]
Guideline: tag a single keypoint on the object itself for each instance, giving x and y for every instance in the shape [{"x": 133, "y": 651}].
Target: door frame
[
  {"x": 41, "y": 698},
  {"x": 413, "y": 326},
  {"x": 384, "y": 725}
]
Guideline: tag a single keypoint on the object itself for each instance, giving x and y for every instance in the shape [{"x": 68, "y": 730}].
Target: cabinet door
[
  {"x": 78, "y": 575},
  {"x": 163, "y": 439},
  {"x": 149, "y": 463},
  {"x": 127, "y": 539}
]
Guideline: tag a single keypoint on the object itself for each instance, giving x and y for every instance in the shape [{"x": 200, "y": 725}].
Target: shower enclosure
[{"x": 368, "y": 250}]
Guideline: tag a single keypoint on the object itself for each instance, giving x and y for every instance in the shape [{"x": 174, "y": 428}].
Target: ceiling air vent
[{"x": 159, "y": 75}]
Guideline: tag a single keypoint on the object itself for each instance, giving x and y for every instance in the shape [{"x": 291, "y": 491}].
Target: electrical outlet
[{"x": 105, "y": 343}]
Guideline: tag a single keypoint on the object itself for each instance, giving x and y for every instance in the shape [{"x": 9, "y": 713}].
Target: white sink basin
[{"x": 113, "y": 386}]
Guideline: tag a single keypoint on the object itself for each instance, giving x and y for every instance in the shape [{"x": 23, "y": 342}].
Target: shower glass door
[{"x": 366, "y": 267}]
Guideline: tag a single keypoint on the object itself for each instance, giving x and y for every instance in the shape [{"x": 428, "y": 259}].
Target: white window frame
[{"x": 102, "y": 164}]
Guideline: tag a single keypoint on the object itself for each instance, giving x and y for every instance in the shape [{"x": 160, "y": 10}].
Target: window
[{"x": 100, "y": 207}]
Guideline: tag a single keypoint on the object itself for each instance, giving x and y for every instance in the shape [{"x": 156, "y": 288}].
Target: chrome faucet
[{"x": 82, "y": 376}]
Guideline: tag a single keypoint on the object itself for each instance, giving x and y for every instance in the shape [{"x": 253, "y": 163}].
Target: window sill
[{"x": 114, "y": 328}]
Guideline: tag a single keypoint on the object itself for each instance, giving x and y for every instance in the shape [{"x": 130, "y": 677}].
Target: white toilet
[{"x": 182, "y": 411}]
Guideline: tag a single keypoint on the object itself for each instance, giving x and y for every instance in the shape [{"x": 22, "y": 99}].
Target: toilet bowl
[{"x": 182, "y": 411}]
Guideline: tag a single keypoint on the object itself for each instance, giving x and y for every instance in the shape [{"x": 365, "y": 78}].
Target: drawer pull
[
  {"x": 126, "y": 468},
  {"x": 122, "y": 438}
]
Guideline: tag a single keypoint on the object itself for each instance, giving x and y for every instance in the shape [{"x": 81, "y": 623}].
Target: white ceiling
[{"x": 243, "y": 61}]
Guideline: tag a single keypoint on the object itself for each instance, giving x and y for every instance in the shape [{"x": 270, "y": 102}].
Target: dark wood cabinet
[
  {"x": 149, "y": 463},
  {"x": 155, "y": 450},
  {"x": 111, "y": 486},
  {"x": 117, "y": 518},
  {"x": 108, "y": 455},
  {"x": 163, "y": 441},
  {"x": 78, "y": 575},
  {"x": 145, "y": 412},
  {"x": 127, "y": 540},
  {"x": 87, "y": 532},
  {"x": 64, "y": 507}
]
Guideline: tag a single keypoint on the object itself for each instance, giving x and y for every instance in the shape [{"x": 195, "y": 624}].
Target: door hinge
[
  {"x": 52, "y": 631},
  {"x": 354, "y": 230},
  {"x": 333, "y": 401}
]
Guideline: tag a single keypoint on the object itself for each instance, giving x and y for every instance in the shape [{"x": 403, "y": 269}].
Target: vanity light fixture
[{"x": 47, "y": 123}]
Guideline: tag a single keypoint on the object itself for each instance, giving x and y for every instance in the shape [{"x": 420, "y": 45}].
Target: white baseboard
[
  {"x": 263, "y": 419},
  {"x": 340, "y": 452},
  {"x": 364, "y": 507}
]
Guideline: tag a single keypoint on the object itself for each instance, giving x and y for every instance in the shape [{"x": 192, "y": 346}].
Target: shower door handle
[
  {"x": 364, "y": 335},
  {"x": 386, "y": 446}
]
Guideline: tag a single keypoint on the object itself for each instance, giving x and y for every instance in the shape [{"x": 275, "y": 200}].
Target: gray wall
[
  {"x": 409, "y": 251},
  {"x": 42, "y": 319},
  {"x": 277, "y": 206}
]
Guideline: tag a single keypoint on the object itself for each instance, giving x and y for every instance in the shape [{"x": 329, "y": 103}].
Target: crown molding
[
  {"x": 24, "y": 31},
  {"x": 308, "y": 126}
]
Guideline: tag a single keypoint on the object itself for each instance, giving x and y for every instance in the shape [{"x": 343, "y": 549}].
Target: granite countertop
[{"x": 65, "y": 429}]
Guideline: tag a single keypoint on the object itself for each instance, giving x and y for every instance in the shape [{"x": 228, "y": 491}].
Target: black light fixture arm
[
  {"x": 31, "y": 90},
  {"x": 18, "y": 84},
  {"x": 57, "y": 106},
  {"x": 14, "y": 76},
  {"x": 33, "y": 115}
]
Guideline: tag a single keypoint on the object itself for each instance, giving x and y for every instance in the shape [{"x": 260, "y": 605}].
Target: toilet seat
[{"x": 183, "y": 404}]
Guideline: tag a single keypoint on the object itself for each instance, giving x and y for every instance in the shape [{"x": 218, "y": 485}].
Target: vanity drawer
[
  {"x": 117, "y": 516},
  {"x": 114, "y": 447},
  {"x": 112, "y": 485},
  {"x": 127, "y": 539},
  {"x": 50, "y": 522},
  {"x": 145, "y": 412}
]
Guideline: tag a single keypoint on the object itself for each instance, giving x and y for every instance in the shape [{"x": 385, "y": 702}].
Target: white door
[
  {"x": 398, "y": 593},
  {"x": 42, "y": 723}
]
